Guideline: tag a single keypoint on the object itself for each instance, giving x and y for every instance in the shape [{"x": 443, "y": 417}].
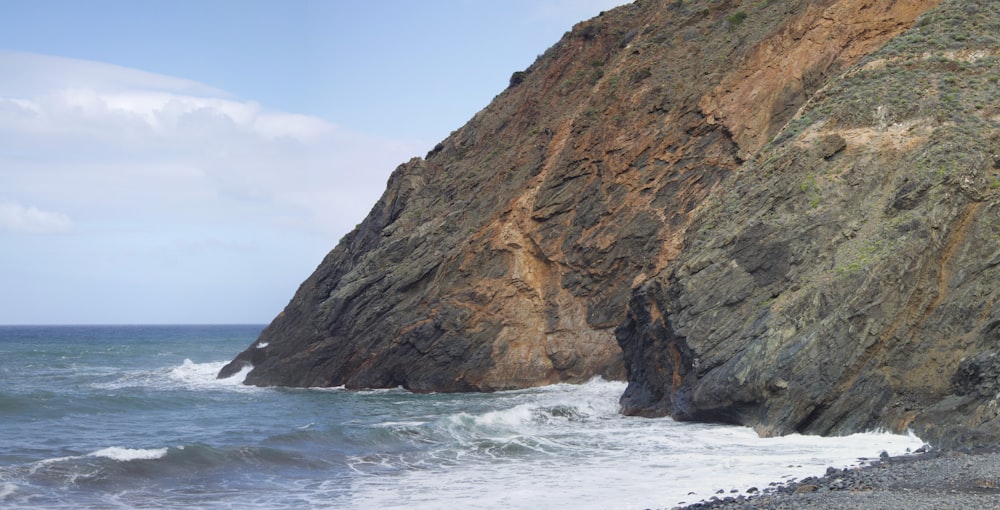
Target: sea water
[{"x": 133, "y": 417}]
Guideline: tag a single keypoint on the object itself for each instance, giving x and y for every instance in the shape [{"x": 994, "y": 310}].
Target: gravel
[{"x": 929, "y": 480}]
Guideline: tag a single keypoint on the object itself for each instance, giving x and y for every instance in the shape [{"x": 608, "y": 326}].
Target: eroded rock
[{"x": 831, "y": 295}]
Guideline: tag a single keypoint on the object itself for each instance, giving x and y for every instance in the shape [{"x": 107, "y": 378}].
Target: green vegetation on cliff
[{"x": 843, "y": 279}]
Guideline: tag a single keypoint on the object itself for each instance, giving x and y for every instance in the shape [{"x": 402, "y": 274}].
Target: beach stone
[{"x": 929, "y": 481}]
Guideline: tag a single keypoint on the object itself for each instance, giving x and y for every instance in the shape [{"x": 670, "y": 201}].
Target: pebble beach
[{"x": 929, "y": 480}]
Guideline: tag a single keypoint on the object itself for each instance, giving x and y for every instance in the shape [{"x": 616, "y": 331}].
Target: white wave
[
  {"x": 263, "y": 345},
  {"x": 399, "y": 424},
  {"x": 569, "y": 443},
  {"x": 126, "y": 454},
  {"x": 7, "y": 489},
  {"x": 189, "y": 375},
  {"x": 513, "y": 418},
  {"x": 55, "y": 464},
  {"x": 551, "y": 405},
  {"x": 34, "y": 467},
  {"x": 204, "y": 375},
  {"x": 322, "y": 388}
]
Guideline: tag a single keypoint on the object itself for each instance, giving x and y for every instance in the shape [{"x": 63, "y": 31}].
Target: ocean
[{"x": 133, "y": 417}]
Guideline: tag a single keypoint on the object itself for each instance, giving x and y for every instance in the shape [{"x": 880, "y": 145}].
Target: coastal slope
[
  {"x": 776, "y": 213},
  {"x": 844, "y": 279},
  {"x": 506, "y": 257}
]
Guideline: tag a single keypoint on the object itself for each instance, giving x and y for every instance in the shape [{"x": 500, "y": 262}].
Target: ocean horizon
[{"x": 132, "y": 416}]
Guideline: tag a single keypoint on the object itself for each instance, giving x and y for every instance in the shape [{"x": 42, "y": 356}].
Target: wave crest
[
  {"x": 203, "y": 375},
  {"x": 126, "y": 454}
]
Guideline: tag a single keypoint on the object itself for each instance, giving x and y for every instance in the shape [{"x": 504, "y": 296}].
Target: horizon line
[{"x": 146, "y": 324}]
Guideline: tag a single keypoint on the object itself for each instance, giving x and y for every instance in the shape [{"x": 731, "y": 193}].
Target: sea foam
[
  {"x": 126, "y": 454},
  {"x": 188, "y": 375},
  {"x": 562, "y": 446},
  {"x": 6, "y": 490},
  {"x": 204, "y": 376},
  {"x": 568, "y": 444}
]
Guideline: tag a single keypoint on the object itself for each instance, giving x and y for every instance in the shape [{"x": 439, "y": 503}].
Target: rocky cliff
[
  {"x": 781, "y": 212},
  {"x": 844, "y": 278}
]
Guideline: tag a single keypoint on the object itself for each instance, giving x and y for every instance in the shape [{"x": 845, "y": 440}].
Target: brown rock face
[
  {"x": 776, "y": 213},
  {"x": 506, "y": 257},
  {"x": 845, "y": 277},
  {"x": 780, "y": 73}
]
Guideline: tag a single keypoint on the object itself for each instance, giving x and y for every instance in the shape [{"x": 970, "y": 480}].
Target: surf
[{"x": 136, "y": 418}]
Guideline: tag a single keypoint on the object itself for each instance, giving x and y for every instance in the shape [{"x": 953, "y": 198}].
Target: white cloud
[
  {"x": 99, "y": 114},
  {"x": 24, "y": 74},
  {"x": 173, "y": 192},
  {"x": 18, "y": 218},
  {"x": 114, "y": 145}
]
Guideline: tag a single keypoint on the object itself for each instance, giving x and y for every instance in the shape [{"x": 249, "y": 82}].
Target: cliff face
[
  {"x": 845, "y": 277},
  {"x": 505, "y": 258},
  {"x": 759, "y": 210}
]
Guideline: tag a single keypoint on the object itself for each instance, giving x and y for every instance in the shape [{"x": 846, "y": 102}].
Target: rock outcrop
[
  {"x": 505, "y": 258},
  {"x": 844, "y": 278},
  {"x": 783, "y": 214}
]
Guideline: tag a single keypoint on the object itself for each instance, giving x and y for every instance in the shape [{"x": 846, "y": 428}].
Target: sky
[{"x": 192, "y": 161}]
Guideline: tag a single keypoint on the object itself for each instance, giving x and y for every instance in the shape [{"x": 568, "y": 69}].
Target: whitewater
[{"x": 133, "y": 417}]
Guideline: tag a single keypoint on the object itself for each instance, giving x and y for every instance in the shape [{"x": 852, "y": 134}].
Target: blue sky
[{"x": 192, "y": 161}]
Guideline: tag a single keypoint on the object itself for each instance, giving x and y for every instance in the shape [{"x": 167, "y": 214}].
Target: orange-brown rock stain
[
  {"x": 662, "y": 156},
  {"x": 776, "y": 77}
]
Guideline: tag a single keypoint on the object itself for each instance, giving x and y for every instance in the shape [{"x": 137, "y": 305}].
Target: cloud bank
[
  {"x": 129, "y": 137},
  {"x": 127, "y": 196}
]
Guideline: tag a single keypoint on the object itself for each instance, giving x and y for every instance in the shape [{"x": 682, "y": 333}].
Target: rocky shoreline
[{"x": 926, "y": 480}]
